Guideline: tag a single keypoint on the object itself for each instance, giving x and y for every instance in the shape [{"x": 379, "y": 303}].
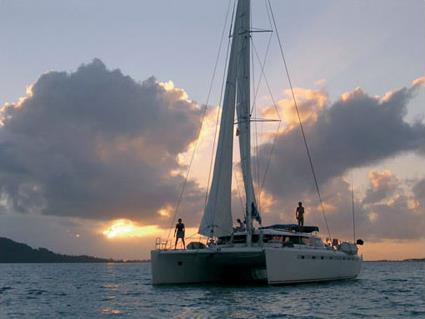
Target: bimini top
[{"x": 293, "y": 228}]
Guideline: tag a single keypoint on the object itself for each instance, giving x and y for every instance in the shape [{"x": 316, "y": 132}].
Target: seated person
[{"x": 240, "y": 226}]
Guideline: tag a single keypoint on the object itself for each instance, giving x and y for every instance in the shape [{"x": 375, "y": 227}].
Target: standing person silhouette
[
  {"x": 179, "y": 233},
  {"x": 299, "y": 214}
]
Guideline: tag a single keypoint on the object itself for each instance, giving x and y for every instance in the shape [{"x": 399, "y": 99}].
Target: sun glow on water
[{"x": 125, "y": 228}]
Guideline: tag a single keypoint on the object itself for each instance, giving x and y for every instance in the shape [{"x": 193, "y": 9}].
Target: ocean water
[{"x": 383, "y": 290}]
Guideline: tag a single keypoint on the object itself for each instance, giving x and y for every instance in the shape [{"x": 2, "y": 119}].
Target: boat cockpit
[
  {"x": 279, "y": 236},
  {"x": 275, "y": 235}
]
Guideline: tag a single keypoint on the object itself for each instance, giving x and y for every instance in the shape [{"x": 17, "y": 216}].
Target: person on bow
[
  {"x": 299, "y": 214},
  {"x": 179, "y": 233}
]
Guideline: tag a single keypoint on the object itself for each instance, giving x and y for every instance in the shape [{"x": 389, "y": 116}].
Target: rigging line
[
  {"x": 179, "y": 199},
  {"x": 262, "y": 64},
  {"x": 274, "y": 104},
  {"x": 299, "y": 120},
  {"x": 254, "y": 104},
  {"x": 267, "y": 48},
  {"x": 269, "y": 158},
  {"x": 268, "y": 15},
  {"x": 192, "y": 235},
  {"x": 223, "y": 81},
  {"x": 239, "y": 190},
  {"x": 267, "y": 84},
  {"x": 263, "y": 75},
  {"x": 352, "y": 208},
  {"x": 257, "y": 120},
  {"x": 256, "y": 162},
  {"x": 253, "y": 107},
  {"x": 278, "y": 127}
]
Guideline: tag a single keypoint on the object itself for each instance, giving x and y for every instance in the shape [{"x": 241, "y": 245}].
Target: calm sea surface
[{"x": 383, "y": 290}]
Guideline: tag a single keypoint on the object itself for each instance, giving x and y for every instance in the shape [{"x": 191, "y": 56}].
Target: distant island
[
  {"x": 14, "y": 252},
  {"x": 396, "y": 261}
]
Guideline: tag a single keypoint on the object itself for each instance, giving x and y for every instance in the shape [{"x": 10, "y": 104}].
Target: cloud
[
  {"x": 419, "y": 191},
  {"x": 96, "y": 144},
  {"x": 310, "y": 104},
  {"x": 395, "y": 213},
  {"x": 392, "y": 216},
  {"x": 419, "y": 82},
  {"x": 355, "y": 131},
  {"x": 383, "y": 184}
]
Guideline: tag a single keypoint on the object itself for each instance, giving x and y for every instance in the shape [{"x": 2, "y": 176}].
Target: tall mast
[{"x": 243, "y": 109}]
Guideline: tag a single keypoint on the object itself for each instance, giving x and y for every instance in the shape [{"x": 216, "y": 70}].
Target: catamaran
[{"x": 275, "y": 254}]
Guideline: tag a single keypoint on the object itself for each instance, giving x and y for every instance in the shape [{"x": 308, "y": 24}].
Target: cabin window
[
  {"x": 239, "y": 239},
  {"x": 306, "y": 240},
  {"x": 255, "y": 238},
  {"x": 295, "y": 240},
  {"x": 317, "y": 242},
  {"x": 267, "y": 238},
  {"x": 223, "y": 240},
  {"x": 273, "y": 238}
]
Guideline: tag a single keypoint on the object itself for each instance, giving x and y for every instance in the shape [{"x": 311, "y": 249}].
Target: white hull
[
  {"x": 308, "y": 265},
  {"x": 252, "y": 264}
]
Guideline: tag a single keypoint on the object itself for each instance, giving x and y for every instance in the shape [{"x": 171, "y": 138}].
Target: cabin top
[{"x": 292, "y": 228}]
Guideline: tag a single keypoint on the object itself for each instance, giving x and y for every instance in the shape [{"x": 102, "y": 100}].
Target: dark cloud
[
  {"x": 355, "y": 131},
  {"x": 396, "y": 216},
  {"x": 95, "y": 144}
]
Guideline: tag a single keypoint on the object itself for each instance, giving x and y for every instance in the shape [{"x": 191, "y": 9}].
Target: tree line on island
[{"x": 14, "y": 252}]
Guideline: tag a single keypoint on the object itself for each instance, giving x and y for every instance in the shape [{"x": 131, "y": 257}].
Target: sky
[{"x": 101, "y": 104}]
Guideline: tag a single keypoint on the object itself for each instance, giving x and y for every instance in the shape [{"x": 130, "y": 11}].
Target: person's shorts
[{"x": 180, "y": 234}]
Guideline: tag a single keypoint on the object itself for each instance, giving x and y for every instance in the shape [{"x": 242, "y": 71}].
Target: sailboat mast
[{"x": 243, "y": 104}]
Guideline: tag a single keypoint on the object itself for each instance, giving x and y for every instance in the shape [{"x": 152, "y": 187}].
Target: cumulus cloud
[
  {"x": 96, "y": 144},
  {"x": 395, "y": 215},
  {"x": 355, "y": 131},
  {"x": 419, "y": 191},
  {"x": 310, "y": 104},
  {"x": 419, "y": 82},
  {"x": 383, "y": 184}
]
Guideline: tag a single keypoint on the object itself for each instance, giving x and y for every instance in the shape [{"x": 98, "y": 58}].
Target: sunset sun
[{"x": 125, "y": 228}]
